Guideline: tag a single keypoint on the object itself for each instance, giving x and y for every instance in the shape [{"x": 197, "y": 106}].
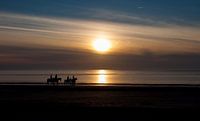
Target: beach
[
  {"x": 109, "y": 101},
  {"x": 124, "y": 96}
]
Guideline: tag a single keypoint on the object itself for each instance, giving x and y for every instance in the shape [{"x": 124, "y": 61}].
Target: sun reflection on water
[{"x": 102, "y": 77}]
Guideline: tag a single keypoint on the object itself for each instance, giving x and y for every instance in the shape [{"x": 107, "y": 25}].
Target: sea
[{"x": 103, "y": 76}]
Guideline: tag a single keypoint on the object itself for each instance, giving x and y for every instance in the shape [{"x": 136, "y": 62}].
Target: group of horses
[{"x": 56, "y": 80}]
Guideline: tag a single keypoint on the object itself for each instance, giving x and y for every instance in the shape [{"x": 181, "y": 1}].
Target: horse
[
  {"x": 53, "y": 80},
  {"x": 70, "y": 82}
]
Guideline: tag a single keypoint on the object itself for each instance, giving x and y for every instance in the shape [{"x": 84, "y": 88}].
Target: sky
[{"x": 145, "y": 34}]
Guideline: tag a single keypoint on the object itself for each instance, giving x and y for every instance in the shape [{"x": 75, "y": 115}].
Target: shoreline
[{"x": 97, "y": 84}]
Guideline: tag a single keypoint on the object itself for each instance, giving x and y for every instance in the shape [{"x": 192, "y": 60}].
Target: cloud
[
  {"x": 138, "y": 18},
  {"x": 60, "y": 39},
  {"x": 127, "y": 38},
  {"x": 13, "y": 57}
]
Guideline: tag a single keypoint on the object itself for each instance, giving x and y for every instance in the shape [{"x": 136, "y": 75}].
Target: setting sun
[{"x": 102, "y": 45}]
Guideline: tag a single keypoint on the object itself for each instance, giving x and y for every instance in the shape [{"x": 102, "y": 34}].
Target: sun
[{"x": 102, "y": 44}]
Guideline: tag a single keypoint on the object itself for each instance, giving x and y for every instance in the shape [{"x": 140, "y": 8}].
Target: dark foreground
[{"x": 40, "y": 102}]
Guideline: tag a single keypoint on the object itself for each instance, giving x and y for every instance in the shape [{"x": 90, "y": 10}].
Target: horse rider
[
  {"x": 51, "y": 76},
  {"x": 56, "y": 76},
  {"x": 68, "y": 78}
]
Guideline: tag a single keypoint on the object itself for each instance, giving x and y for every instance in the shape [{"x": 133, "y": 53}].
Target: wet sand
[
  {"x": 130, "y": 96},
  {"x": 84, "y": 99}
]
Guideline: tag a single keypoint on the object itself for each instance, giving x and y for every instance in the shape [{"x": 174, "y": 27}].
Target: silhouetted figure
[
  {"x": 56, "y": 76},
  {"x": 51, "y": 76},
  {"x": 70, "y": 81},
  {"x": 53, "y": 81}
]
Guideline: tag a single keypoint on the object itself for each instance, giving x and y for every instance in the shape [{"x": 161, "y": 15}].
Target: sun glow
[
  {"x": 102, "y": 77},
  {"x": 102, "y": 45}
]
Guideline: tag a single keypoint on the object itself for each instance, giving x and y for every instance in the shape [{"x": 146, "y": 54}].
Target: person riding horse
[
  {"x": 70, "y": 81},
  {"x": 52, "y": 80}
]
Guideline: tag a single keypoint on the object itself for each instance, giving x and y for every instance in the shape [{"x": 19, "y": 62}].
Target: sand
[{"x": 99, "y": 100}]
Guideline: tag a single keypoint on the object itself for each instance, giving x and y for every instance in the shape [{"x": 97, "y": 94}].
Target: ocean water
[{"x": 104, "y": 76}]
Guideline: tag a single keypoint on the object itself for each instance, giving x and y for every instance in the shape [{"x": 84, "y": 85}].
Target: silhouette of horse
[
  {"x": 70, "y": 82},
  {"x": 53, "y": 80}
]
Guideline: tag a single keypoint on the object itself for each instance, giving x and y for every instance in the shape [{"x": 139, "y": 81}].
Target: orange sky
[{"x": 32, "y": 31}]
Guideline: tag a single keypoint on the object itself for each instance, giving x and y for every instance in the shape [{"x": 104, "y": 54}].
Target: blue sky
[{"x": 174, "y": 11}]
